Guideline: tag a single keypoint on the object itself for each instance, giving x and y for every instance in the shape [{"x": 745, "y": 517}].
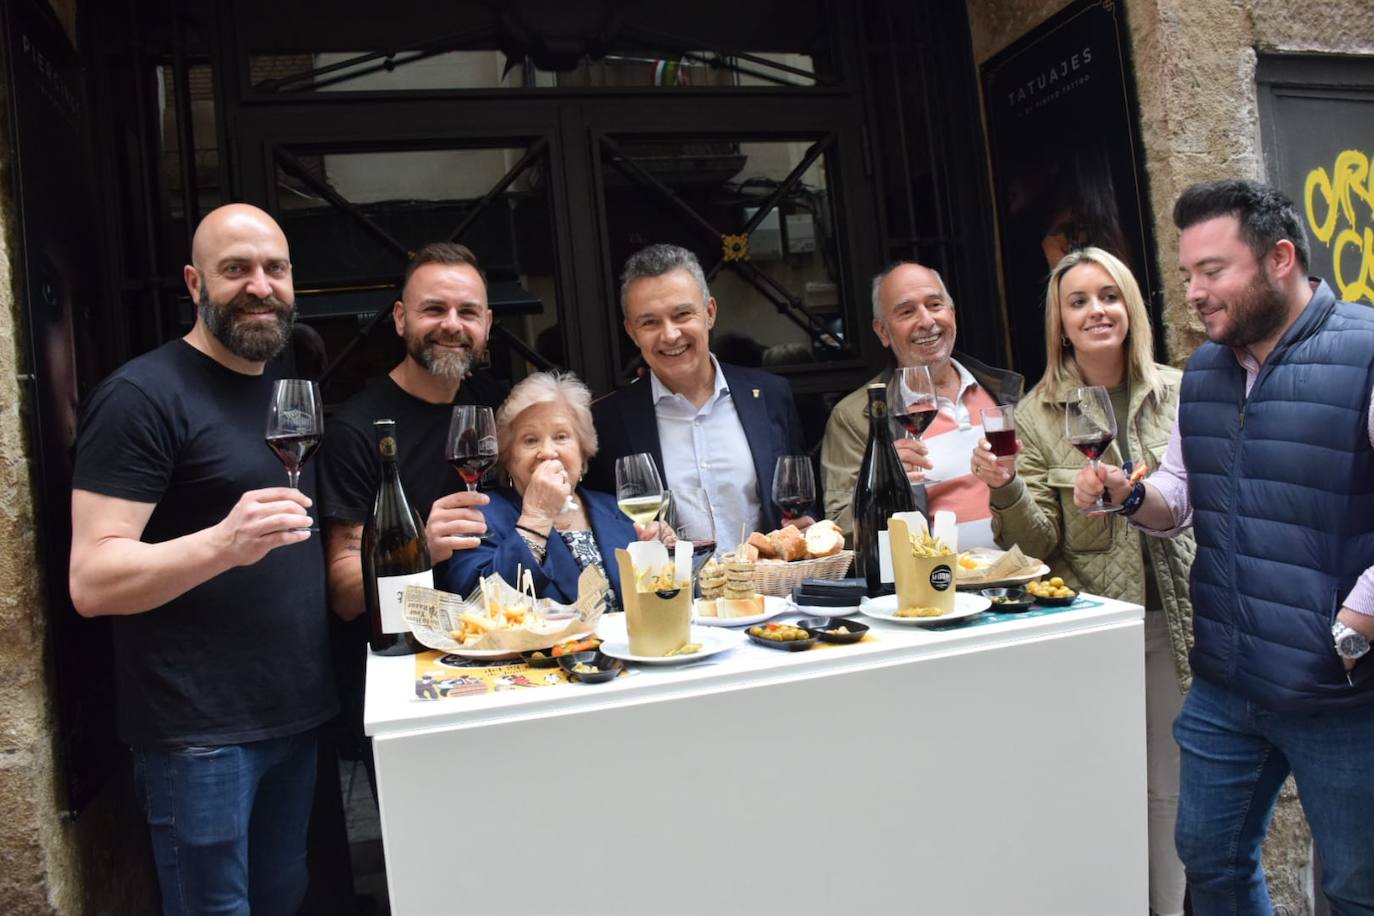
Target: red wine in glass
[
  {"x": 1090, "y": 427},
  {"x": 794, "y": 485},
  {"x": 294, "y": 449},
  {"x": 1002, "y": 442},
  {"x": 295, "y": 425},
  {"x": 472, "y": 467},
  {"x": 1092, "y": 449},
  {"x": 919, "y": 419},
  {"x": 472, "y": 445}
]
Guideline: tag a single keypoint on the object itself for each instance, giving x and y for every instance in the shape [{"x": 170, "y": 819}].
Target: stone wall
[
  {"x": 99, "y": 863},
  {"x": 36, "y": 862},
  {"x": 1195, "y": 75}
]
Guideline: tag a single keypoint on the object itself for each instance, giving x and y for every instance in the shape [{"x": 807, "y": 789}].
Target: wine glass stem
[
  {"x": 472, "y": 487},
  {"x": 293, "y": 479},
  {"x": 1102, "y": 501}
]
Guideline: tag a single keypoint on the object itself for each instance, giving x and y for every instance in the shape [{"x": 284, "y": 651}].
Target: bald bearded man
[{"x": 183, "y": 534}]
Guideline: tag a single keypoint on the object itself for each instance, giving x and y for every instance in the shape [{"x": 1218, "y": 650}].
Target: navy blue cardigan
[{"x": 556, "y": 578}]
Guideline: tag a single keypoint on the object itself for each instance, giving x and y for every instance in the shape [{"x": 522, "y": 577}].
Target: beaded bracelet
[{"x": 535, "y": 548}]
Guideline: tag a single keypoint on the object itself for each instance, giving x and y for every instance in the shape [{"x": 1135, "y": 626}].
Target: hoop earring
[{"x": 1065, "y": 344}]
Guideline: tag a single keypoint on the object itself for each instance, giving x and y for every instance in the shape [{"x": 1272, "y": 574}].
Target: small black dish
[
  {"x": 825, "y": 627},
  {"x": 540, "y": 658},
  {"x": 786, "y": 645},
  {"x": 1055, "y": 602},
  {"x": 607, "y": 668},
  {"x": 1008, "y": 600}
]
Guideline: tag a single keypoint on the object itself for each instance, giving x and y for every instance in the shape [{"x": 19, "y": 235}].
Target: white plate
[
  {"x": 712, "y": 641},
  {"x": 992, "y": 555},
  {"x": 817, "y": 610},
  {"x": 885, "y": 608},
  {"x": 772, "y": 607}
]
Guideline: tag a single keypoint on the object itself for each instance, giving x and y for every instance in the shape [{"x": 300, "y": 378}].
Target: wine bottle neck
[{"x": 877, "y": 417}]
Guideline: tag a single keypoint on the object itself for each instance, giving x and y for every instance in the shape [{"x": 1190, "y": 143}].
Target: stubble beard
[{"x": 252, "y": 339}]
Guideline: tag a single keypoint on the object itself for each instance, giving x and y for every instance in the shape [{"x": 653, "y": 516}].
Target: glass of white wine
[{"x": 638, "y": 488}]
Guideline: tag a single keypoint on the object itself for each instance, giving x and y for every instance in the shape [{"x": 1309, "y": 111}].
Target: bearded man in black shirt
[
  {"x": 443, "y": 317},
  {"x": 182, "y": 532}
]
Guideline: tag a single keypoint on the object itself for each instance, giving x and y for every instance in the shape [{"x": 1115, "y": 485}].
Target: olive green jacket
[{"x": 1036, "y": 511}]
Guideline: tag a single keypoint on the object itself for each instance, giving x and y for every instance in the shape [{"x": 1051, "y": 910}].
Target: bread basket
[{"x": 777, "y": 577}]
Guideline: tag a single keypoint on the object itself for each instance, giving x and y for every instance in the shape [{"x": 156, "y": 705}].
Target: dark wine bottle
[
  {"x": 395, "y": 554},
  {"x": 881, "y": 490}
]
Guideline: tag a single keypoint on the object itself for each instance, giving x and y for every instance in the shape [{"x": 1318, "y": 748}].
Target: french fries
[
  {"x": 497, "y": 617},
  {"x": 663, "y": 581},
  {"x": 924, "y": 546}
]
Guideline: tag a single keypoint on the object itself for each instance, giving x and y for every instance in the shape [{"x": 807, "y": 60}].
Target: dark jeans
[
  {"x": 228, "y": 824},
  {"x": 1234, "y": 757}
]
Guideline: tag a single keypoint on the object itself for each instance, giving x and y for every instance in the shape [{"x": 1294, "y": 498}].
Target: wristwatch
[{"x": 1350, "y": 643}]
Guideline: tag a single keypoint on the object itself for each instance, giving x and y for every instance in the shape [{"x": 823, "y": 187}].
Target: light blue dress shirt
[{"x": 707, "y": 459}]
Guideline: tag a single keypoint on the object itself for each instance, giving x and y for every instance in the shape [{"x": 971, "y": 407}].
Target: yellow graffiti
[{"x": 1352, "y": 247}]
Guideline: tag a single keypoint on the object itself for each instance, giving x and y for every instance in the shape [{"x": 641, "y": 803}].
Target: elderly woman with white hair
[{"x": 546, "y": 437}]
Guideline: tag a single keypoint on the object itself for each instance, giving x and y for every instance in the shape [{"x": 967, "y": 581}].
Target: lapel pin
[{"x": 756, "y": 392}]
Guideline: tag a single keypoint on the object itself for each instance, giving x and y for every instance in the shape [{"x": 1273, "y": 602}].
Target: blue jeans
[
  {"x": 228, "y": 824},
  {"x": 1234, "y": 757}
]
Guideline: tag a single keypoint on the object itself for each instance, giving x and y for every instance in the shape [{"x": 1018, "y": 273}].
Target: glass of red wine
[
  {"x": 794, "y": 486},
  {"x": 1090, "y": 425},
  {"x": 295, "y": 424},
  {"x": 694, "y": 522},
  {"x": 471, "y": 442},
  {"x": 911, "y": 399},
  {"x": 999, "y": 428}
]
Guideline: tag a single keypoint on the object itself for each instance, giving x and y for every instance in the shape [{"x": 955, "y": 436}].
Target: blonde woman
[
  {"x": 1098, "y": 333},
  {"x": 545, "y": 435}
]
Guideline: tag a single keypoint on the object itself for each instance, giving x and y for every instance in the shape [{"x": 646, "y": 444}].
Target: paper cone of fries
[
  {"x": 498, "y": 618},
  {"x": 923, "y": 565},
  {"x": 657, "y": 592}
]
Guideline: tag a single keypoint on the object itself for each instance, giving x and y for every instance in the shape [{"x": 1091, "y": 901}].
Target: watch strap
[{"x": 1341, "y": 633}]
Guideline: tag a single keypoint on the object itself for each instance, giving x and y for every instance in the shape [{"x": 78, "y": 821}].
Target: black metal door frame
[{"x": 573, "y": 128}]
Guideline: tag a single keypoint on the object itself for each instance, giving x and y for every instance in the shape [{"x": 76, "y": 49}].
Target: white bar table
[{"x": 993, "y": 769}]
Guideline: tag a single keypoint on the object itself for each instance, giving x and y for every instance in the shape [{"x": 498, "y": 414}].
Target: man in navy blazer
[{"x": 715, "y": 430}]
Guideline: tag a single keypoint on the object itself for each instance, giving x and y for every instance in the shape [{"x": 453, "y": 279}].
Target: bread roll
[
  {"x": 823, "y": 540},
  {"x": 788, "y": 544},
  {"x": 763, "y": 545}
]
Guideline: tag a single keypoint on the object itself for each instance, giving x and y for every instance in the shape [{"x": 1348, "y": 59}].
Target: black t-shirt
[
  {"x": 350, "y": 468},
  {"x": 245, "y": 655}
]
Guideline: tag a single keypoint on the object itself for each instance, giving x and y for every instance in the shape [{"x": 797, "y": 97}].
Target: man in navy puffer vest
[{"x": 1272, "y": 463}]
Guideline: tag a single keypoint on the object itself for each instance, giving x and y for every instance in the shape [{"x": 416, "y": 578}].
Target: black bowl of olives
[
  {"x": 834, "y": 629},
  {"x": 590, "y": 667},
  {"x": 1009, "y": 600},
  {"x": 540, "y": 658},
  {"x": 785, "y": 636}
]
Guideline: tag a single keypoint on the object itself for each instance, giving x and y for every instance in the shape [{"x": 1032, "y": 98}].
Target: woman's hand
[
  {"x": 915, "y": 458},
  {"x": 547, "y": 492},
  {"x": 994, "y": 471}
]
